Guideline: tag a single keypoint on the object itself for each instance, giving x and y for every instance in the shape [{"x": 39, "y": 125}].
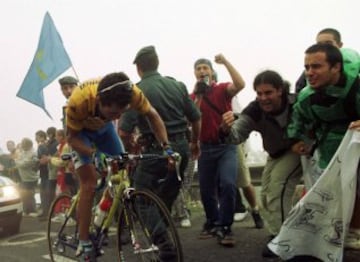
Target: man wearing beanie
[{"x": 217, "y": 165}]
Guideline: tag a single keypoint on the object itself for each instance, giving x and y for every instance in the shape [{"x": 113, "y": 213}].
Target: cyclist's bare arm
[
  {"x": 157, "y": 126},
  {"x": 77, "y": 144}
]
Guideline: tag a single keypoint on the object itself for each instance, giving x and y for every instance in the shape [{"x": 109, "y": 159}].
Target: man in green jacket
[{"x": 325, "y": 109}]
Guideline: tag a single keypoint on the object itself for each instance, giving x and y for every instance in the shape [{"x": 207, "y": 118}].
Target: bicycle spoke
[
  {"x": 152, "y": 235},
  {"x": 62, "y": 230}
]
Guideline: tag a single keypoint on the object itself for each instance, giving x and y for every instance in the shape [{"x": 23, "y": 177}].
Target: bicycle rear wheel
[
  {"x": 146, "y": 231},
  {"x": 62, "y": 229}
]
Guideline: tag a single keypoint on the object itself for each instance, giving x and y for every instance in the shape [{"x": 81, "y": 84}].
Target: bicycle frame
[{"x": 118, "y": 186}]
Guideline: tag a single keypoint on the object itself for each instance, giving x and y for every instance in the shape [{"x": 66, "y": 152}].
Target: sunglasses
[{"x": 127, "y": 84}]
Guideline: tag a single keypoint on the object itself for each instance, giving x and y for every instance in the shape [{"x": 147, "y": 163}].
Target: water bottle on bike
[{"x": 102, "y": 210}]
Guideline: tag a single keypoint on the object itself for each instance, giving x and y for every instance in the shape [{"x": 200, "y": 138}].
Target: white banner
[{"x": 316, "y": 226}]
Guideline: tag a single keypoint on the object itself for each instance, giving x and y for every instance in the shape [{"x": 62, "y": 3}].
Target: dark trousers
[
  {"x": 51, "y": 192},
  {"x": 154, "y": 175},
  {"x": 43, "y": 192},
  {"x": 28, "y": 196}
]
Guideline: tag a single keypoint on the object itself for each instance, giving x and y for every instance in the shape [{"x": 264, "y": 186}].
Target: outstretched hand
[
  {"x": 228, "y": 119},
  {"x": 355, "y": 125}
]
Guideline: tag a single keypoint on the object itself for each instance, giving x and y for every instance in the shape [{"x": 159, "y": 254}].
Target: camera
[{"x": 202, "y": 86}]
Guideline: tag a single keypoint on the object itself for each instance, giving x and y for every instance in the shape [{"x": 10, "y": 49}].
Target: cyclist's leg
[
  {"x": 87, "y": 176},
  {"x": 87, "y": 179},
  {"x": 108, "y": 141}
]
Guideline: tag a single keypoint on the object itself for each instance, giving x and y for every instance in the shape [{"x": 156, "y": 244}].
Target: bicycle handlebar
[{"x": 125, "y": 157}]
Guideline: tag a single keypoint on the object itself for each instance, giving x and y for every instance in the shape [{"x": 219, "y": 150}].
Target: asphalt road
[{"x": 30, "y": 244}]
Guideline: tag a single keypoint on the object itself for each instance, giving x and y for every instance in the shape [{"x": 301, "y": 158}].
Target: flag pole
[{"x": 75, "y": 73}]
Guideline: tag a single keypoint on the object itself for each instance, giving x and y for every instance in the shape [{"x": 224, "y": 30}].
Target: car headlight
[{"x": 9, "y": 192}]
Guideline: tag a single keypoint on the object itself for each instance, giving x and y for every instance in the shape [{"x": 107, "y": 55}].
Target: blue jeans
[{"x": 217, "y": 167}]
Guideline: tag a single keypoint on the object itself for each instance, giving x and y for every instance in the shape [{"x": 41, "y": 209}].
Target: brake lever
[{"x": 177, "y": 158}]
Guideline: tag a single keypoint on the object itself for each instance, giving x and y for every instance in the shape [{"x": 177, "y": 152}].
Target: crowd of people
[{"x": 158, "y": 115}]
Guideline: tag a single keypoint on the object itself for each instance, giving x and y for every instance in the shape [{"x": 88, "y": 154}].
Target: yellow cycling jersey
[{"x": 81, "y": 107}]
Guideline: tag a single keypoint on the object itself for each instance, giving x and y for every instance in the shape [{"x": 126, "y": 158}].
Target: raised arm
[{"x": 238, "y": 82}]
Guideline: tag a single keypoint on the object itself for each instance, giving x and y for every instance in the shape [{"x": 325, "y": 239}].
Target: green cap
[
  {"x": 68, "y": 80},
  {"x": 145, "y": 52}
]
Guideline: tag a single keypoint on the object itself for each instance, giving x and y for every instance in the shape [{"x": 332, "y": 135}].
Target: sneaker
[
  {"x": 225, "y": 236},
  {"x": 238, "y": 217},
  {"x": 208, "y": 231},
  {"x": 86, "y": 253},
  {"x": 185, "y": 223},
  {"x": 259, "y": 223},
  {"x": 352, "y": 240},
  {"x": 32, "y": 214},
  {"x": 266, "y": 252}
]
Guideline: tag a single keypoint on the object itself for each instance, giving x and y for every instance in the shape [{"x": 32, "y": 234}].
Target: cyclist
[{"x": 91, "y": 109}]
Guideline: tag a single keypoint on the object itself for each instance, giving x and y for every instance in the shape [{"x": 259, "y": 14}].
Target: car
[{"x": 11, "y": 207}]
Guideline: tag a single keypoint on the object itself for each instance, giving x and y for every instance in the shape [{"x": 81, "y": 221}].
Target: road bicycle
[{"x": 144, "y": 228}]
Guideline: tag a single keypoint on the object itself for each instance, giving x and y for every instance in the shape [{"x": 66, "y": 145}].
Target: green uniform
[{"x": 171, "y": 100}]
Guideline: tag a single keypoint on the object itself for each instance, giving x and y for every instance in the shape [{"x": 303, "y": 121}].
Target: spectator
[
  {"x": 269, "y": 115},
  {"x": 325, "y": 109},
  {"x": 51, "y": 146},
  {"x": 40, "y": 137},
  {"x": 8, "y": 162},
  {"x": 62, "y": 166},
  {"x": 27, "y": 164},
  {"x": 244, "y": 182},
  {"x": 333, "y": 37},
  {"x": 67, "y": 85},
  {"x": 181, "y": 210},
  {"x": 217, "y": 165}
]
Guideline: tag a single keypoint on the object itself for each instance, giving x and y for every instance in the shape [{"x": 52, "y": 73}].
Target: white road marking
[
  {"x": 10, "y": 241},
  {"x": 58, "y": 258}
]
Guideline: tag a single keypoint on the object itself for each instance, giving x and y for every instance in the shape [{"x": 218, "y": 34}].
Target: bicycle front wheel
[
  {"x": 146, "y": 231},
  {"x": 62, "y": 229}
]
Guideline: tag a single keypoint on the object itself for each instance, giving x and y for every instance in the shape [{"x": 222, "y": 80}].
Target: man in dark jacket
[{"x": 269, "y": 114}]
